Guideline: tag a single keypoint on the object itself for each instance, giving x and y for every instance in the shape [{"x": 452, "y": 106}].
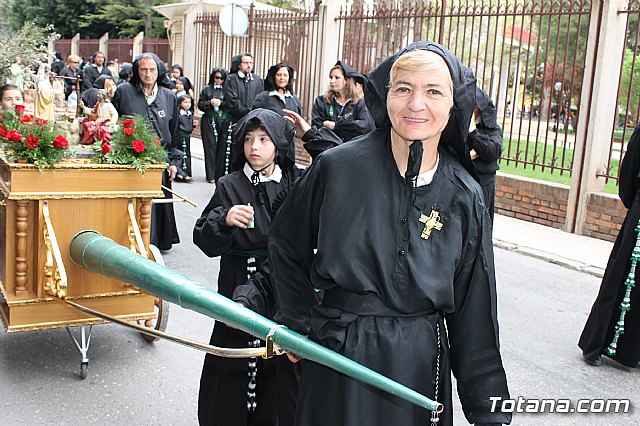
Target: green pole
[{"x": 104, "y": 256}]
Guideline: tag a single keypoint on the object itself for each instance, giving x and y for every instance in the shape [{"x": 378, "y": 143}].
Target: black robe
[
  {"x": 275, "y": 104},
  {"x": 185, "y": 125},
  {"x": 351, "y": 120},
  {"x": 214, "y": 128},
  {"x": 239, "y": 94},
  {"x": 600, "y": 327},
  {"x": 163, "y": 115},
  {"x": 377, "y": 292},
  {"x": 223, "y": 386}
]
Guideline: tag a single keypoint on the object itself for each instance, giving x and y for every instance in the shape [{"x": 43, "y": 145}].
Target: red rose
[
  {"x": 32, "y": 141},
  {"x": 129, "y": 123},
  {"x": 14, "y": 136},
  {"x": 106, "y": 148},
  {"x": 26, "y": 119},
  {"x": 41, "y": 121},
  {"x": 128, "y": 131},
  {"x": 138, "y": 146},
  {"x": 3, "y": 131},
  {"x": 19, "y": 109},
  {"x": 60, "y": 142}
]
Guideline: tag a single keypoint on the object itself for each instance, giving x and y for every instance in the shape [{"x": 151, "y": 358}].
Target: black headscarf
[
  {"x": 270, "y": 82},
  {"x": 279, "y": 130},
  {"x": 464, "y": 99},
  {"x": 215, "y": 70},
  {"x": 162, "y": 69},
  {"x": 99, "y": 83},
  {"x": 352, "y": 73}
]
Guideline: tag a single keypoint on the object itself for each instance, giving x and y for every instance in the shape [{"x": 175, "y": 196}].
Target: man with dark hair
[
  {"x": 241, "y": 88},
  {"x": 91, "y": 72},
  {"x": 143, "y": 95}
]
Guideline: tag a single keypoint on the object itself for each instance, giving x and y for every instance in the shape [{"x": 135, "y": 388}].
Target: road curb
[{"x": 550, "y": 257}]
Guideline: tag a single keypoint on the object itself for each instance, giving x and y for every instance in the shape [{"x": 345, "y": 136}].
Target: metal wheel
[
  {"x": 161, "y": 307},
  {"x": 84, "y": 369}
]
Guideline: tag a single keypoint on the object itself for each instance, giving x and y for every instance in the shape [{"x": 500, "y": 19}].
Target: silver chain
[{"x": 435, "y": 416}]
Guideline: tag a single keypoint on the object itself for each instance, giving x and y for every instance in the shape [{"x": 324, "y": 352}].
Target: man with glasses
[{"x": 241, "y": 88}]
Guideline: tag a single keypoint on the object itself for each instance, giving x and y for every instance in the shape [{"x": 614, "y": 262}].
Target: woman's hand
[
  {"x": 298, "y": 122},
  {"x": 239, "y": 216},
  {"x": 329, "y": 124}
]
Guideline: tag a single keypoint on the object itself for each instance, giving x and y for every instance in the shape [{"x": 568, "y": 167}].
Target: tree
[
  {"x": 29, "y": 43},
  {"x": 129, "y": 17},
  {"x": 64, "y": 15}
]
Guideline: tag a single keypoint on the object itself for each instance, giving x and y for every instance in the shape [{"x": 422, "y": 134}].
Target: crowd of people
[{"x": 381, "y": 249}]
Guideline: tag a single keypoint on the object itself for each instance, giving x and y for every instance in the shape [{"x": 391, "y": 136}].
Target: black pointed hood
[
  {"x": 464, "y": 98},
  {"x": 279, "y": 130},
  {"x": 352, "y": 73}
]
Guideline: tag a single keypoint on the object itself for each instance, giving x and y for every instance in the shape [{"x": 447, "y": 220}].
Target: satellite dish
[{"x": 233, "y": 20}]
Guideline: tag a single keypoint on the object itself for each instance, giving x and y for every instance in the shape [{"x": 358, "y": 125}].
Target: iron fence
[
  {"x": 528, "y": 55},
  {"x": 284, "y": 36}
]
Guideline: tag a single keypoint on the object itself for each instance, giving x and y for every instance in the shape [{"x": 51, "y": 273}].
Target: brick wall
[{"x": 546, "y": 203}]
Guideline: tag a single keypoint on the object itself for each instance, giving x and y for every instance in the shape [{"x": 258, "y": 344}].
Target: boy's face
[
  {"x": 10, "y": 99},
  {"x": 259, "y": 149}
]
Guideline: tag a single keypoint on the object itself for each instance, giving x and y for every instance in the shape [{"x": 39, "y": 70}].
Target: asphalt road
[{"x": 542, "y": 308}]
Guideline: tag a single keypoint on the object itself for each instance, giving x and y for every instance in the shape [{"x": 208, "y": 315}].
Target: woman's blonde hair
[
  {"x": 422, "y": 61},
  {"x": 73, "y": 58},
  {"x": 350, "y": 90}
]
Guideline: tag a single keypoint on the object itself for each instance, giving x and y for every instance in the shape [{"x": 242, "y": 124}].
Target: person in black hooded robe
[
  {"x": 214, "y": 124},
  {"x": 278, "y": 91},
  {"x": 598, "y": 337},
  {"x": 485, "y": 143},
  {"x": 342, "y": 109},
  {"x": 143, "y": 95},
  {"x": 227, "y": 395},
  {"x": 89, "y": 97},
  {"x": 384, "y": 241}
]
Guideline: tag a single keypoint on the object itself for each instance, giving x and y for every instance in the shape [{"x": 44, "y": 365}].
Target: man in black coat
[
  {"x": 241, "y": 88},
  {"x": 144, "y": 96},
  {"x": 92, "y": 71}
]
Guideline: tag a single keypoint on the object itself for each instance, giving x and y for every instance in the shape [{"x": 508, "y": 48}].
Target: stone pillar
[
  {"x": 137, "y": 44},
  {"x": 103, "y": 45},
  {"x": 605, "y": 48},
  {"x": 75, "y": 45}
]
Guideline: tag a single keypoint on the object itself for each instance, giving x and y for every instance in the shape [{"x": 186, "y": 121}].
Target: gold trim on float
[
  {"x": 74, "y": 323},
  {"x": 81, "y": 195},
  {"x": 135, "y": 237},
  {"x": 55, "y": 275},
  {"x": 85, "y": 166},
  {"x": 44, "y": 300}
]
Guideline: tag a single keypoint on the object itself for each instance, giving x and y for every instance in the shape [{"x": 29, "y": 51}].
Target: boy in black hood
[{"x": 392, "y": 232}]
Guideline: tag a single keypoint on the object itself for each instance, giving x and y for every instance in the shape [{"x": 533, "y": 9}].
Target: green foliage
[
  {"x": 630, "y": 80},
  {"x": 127, "y": 17},
  {"x": 64, "y": 15},
  {"x": 29, "y": 43}
]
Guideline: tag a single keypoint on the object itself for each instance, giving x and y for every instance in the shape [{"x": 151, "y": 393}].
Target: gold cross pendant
[{"x": 430, "y": 222}]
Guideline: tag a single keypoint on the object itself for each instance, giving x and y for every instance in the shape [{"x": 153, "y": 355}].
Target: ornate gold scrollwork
[
  {"x": 135, "y": 237},
  {"x": 55, "y": 275}
]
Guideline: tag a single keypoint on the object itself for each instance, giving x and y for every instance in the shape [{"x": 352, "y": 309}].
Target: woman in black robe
[
  {"x": 342, "y": 109},
  {"x": 278, "y": 91},
  {"x": 382, "y": 242},
  {"x": 214, "y": 125},
  {"x": 599, "y": 332}
]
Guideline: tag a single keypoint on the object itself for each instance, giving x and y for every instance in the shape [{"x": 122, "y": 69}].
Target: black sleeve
[
  {"x": 260, "y": 101},
  {"x": 473, "y": 328},
  {"x": 204, "y": 100},
  {"x": 318, "y": 112},
  {"x": 318, "y": 140},
  {"x": 487, "y": 141},
  {"x": 174, "y": 127},
  {"x": 211, "y": 234},
  {"x": 257, "y": 292},
  {"x": 292, "y": 240},
  {"x": 358, "y": 124},
  {"x": 87, "y": 78},
  {"x": 630, "y": 170},
  {"x": 231, "y": 101}
]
